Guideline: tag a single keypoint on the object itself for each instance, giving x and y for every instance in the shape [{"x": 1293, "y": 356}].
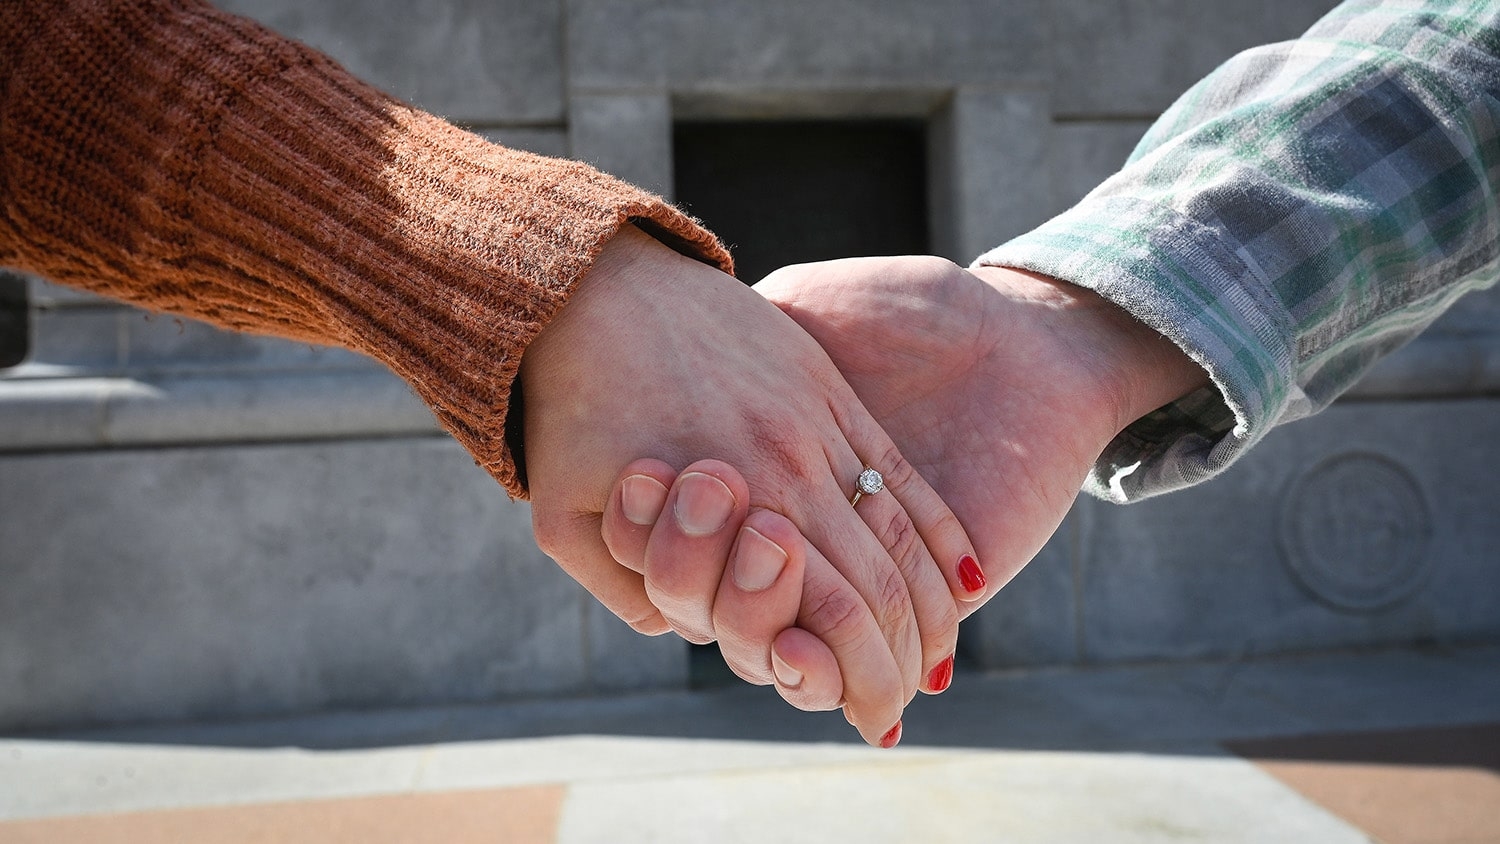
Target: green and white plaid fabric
[{"x": 1307, "y": 208}]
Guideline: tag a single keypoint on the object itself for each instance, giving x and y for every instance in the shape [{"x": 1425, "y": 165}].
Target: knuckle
[
  {"x": 836, "y": 616},
  {"x": 648, "y": 623},
  {"x": 940, "y": 630},
  {"x": 683, "y": 589},
  {"x": 945, "y": 523},
  {"x": 893, "y": 467},
  {"x": 894, "y": 607},
  {"x": 900, "y": 539},
  {"x": 668, "y": 575},
  {"x": 809, "y": 701},
  {"x": 785, "y": 455},
  {"x": 692, "y": 620},
  {"x": 692, "y": 636}
]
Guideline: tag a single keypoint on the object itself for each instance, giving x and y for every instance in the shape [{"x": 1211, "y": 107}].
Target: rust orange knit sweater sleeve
[{"x": 188, "y": 160}]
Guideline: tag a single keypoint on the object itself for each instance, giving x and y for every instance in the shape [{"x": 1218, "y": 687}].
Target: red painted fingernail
[
  {"x": 889, "y": 739},
  {"x": 970, "y": 574},
  {"x": 941, "y": 675}
]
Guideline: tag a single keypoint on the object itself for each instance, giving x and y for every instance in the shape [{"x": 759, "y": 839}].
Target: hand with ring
[
  {"x": 1002, "y": 387},
  {"x": 660, "y": 355},
  {"x": 756, "y": 618}
]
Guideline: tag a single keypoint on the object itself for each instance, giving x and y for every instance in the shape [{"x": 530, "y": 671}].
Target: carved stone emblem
[{"x": 1355, "y": 532}]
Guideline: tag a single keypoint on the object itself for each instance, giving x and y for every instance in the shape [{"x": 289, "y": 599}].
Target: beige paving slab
[
  {"x": 41, "y": 779},
  {"x": 649, "y": 790},
  {"x": 51, "y": 778},
  {"x": 590, "y": 759},
  {"x": 994, "y": 796},
  {"x": 1119, "y": 754}
]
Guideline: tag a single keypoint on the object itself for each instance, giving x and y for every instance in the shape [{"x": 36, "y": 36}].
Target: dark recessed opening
[
  {"x": 787, "y": 192},
  {"x": 14, "y": 332}
]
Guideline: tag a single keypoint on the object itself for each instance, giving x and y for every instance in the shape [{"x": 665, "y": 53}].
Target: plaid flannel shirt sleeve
[{"x": 1305, "y": 209}]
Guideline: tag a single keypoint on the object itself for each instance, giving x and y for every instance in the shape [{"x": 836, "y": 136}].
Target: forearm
[
  {"x": 1302, "y": 211},
  {"x": 172, "y": 155}
]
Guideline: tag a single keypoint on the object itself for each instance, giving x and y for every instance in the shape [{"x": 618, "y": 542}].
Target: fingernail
[
  {"x": 703, "y": 504},
  {"x": 941, "y": 675},
  {"x": 758, "y": 561},
  {"x": 891, "y": 738},
  {"x": 642, "y": 497},
  {"x": 970, "y": 575},
  {"x": 787, "y": 676}
]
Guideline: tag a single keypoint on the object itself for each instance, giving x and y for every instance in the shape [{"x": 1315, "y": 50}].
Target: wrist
[
  {"x": 554, "y": 354},
  {"x": 1159, "y": 369},
  {"x": 1128, "y": 368},
  {"x": 628, "y": 263}
]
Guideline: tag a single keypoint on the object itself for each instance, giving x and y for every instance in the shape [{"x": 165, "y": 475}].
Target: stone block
[
  {"x": 1035, "y": 619},
  {"x": 473, "y": 61},
  {"x": 163, "y": 343},
  {"x": 989, "y": 159},
  {"x": 81, "y": 339},
  {"x": 1369, "y": 524},
  {"x": 1477, "y": 313},
  {"x": 277, "y": 406},
  {"x": 1435, "y": 365},
  {"x": 1458, "y": 355},
  {"x": 1132, "y": 58},
  {"x": 802, "y": 44},
  {"x": 48, "y": 413},
  {"x": 627, "y": 135},
  {"x": 1086, "y": 153},
  {"x": 41, "y": 412},
  {"x": 622, "y": 660},
  {"x": 213, "y": 583}
]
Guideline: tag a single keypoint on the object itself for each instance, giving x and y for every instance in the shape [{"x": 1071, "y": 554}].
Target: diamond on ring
[{"x": 869, "y": 482}]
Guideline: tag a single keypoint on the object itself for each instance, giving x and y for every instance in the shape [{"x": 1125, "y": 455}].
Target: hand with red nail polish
[
  {"x": 1002, "y": 387},
  {"x": 659, "y": 355},
  {"x": 974, "y": 374}
]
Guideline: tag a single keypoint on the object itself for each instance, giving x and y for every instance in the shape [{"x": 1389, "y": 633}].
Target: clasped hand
[{"x": 692, "y": 445}]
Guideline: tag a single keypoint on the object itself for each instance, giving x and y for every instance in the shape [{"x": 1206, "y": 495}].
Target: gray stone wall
[{"x": 195, "y": 524}]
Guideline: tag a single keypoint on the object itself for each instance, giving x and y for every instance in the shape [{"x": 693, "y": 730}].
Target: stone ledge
[
  {"x": 249, "y": 580},
  {"x": 759, "y": 44},
  {"x": 1367, "y": 525},
  {"x": 1132, "y": 58},
  {"x": 1435, "y": 366},
  {"x": 95, "y": 412},
  {"x": 41, "y": 411}
]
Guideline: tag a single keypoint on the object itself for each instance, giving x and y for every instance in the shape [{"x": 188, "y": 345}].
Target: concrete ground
[{"x": 1392, "y": 746}]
